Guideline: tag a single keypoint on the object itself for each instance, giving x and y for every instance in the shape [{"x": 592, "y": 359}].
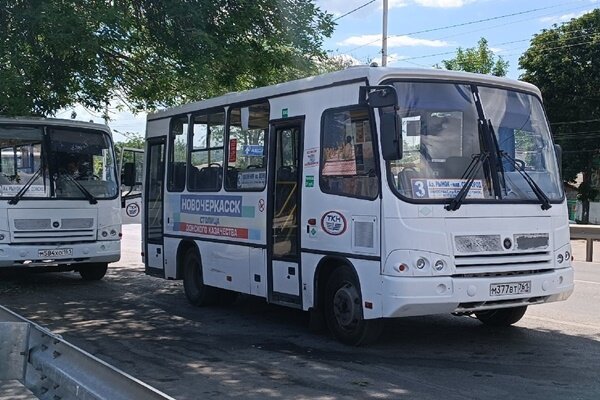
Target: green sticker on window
[
  {"x": 284, "y": 113},
  {"x": 309, "y": 181}
]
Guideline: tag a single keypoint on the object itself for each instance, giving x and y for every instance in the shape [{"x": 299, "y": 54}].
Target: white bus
[
  {"x": 361, "y": 195},
  {"x": 60, "y": 208}
]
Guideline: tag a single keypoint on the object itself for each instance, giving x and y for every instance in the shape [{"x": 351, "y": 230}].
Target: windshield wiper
[
  {"x": 90, "y": 197},
  {"x": 25, "y": 187},
  {"x": 542, "y": 197},
  {"x": 470, "y": 174}
]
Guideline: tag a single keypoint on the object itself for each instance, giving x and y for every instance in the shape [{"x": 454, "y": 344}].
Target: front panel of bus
[
  {"x": 59, "y": 193},
  {"x": 503, "y": 241}
]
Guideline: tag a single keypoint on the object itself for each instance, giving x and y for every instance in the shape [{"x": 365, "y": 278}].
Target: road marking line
[
  {"x": 575, "y": 324},
  {"x": 593, "y": 283}
]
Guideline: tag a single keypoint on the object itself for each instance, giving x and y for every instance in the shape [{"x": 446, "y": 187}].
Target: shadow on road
[{"x": 255, "y": 350}]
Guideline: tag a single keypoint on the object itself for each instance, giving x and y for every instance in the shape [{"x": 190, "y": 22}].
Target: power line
[
  {"x": 468, "y": 23},
  {"x": 575, "y": 122},
  {"x": 511, "y": 42},
  {"x": 510, "y": 23},
  {"x": 354, "y": 10},
  {"x": 486, "y": 19}
]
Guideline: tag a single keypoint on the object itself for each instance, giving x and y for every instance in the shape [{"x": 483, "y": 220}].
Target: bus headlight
[
  {"x": 559, "y": 258},
  {"x": 109, "y": 233},
  {"x": 439, "y": 265},
  {"x": 421, "y": 263}
]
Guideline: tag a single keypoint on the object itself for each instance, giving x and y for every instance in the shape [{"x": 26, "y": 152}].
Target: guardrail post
[{"x": 589, "y": 250}]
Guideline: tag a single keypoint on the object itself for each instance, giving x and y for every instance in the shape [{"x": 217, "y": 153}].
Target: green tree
[
  {"x": 479, "y": 59},
  {"x": 564, "y": 62},
  {"x": 132, "y": 141},
  {"x": 151, "y": 53}
]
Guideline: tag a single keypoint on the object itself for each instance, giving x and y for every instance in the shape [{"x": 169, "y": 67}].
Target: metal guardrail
[
  {"x": 52, "y": 368},
  {"x": 589, "y": 233}
]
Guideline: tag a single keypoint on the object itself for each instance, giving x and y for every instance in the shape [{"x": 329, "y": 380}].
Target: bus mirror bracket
[
  {"x": 386, "y": 100},
  {"x": 129, "y": 174}
]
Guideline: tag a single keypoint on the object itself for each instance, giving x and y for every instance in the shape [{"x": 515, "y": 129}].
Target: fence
[{"x": 589, "y": 233}]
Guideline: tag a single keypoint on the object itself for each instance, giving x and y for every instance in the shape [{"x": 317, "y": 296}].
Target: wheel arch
[
  {"x": 323, "y": 272},
  {"x": 182, "y": 249}
]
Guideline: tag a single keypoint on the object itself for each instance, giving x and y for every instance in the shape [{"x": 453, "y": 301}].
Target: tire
[
  {"x": 344, "y": 313},
  {"x": 195, "y": 290},
  {"x": 93, "y": 272},
  {"x": 501, "y": 316}
]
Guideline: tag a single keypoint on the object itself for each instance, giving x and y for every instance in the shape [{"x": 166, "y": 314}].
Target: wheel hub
[{"x": 346, "y": 306}]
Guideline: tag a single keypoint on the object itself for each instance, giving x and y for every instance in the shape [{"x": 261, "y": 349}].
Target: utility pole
[{"x": 384, "y": 34}]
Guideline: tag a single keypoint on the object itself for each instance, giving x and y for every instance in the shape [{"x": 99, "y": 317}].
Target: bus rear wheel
[
  {"x": 501, "y": 316},
  {"x": 93, "y": 272},
  {"x": 343, "y": 310},
  {"x": 195, "y": 290}
]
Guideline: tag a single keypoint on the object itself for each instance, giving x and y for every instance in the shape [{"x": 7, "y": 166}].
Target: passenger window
[
  {"x": 247, "y": 156},
  {"x": 347, "y": 154},
  {"x": 206, "y": 154},
  {"x": 178, "y": 139}
]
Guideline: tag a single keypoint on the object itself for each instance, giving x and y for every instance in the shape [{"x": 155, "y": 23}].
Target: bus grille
[
  {"x": 42, "y": 230},
  {"x": 503, "y": 263}
]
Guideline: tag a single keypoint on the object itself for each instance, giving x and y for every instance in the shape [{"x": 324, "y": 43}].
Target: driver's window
[
  {"x": 246, "y": 147},
  {"x": 347, "y": 154}
]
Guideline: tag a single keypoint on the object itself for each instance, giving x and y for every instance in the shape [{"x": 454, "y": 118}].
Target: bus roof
[
  {"x": 54, "y": 122},
  {"x": 374, "y": 75}
]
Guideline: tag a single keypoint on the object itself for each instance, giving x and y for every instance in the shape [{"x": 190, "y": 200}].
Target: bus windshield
[
  {"x": 58, "y": 163},
  {"x": 443, "y": 136}
]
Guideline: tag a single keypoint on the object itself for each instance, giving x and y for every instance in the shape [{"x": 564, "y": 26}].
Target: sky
[{"x": 421, "y": 33}]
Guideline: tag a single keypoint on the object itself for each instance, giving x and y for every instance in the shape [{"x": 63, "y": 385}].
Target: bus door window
[{"x": 285, "y": 213}]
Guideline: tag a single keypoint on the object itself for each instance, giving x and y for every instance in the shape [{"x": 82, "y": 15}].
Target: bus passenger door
[
  {"x": 131, "y": 196},
  {"x": 153, "y": 206},
  {"x": 283, "y": 243}
]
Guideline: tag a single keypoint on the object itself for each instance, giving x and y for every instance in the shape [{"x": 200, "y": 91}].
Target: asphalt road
[{"x": 145, "y": 326}]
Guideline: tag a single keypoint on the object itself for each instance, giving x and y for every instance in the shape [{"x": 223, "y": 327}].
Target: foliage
[
  {"x": 133, "y": 141},
  {"x": 151, "y": 53},
  {"x": 564, "y": 62},
  {"x": 479, "y": 59}
]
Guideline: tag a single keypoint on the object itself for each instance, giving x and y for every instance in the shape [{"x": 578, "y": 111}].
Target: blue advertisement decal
[
  {"x": 253, "y": 150},
  {"x": 228, "y": 206}
]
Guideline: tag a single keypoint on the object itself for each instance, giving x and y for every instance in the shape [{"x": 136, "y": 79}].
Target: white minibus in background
[
  {"x": 360, "y": 195},
  {"x": 60, "y": 199}
]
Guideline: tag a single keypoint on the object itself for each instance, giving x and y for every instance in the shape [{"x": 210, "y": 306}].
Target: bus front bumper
[
  {"x": 411, "y": 296},
  {"x": 37, "y": 255}
]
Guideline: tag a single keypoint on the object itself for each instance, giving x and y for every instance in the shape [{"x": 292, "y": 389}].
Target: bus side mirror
[
  {"x": 129, "y": 174},
  {"x": 558, "y": 151},
  {"x": 385, "y": 99},
  {"x": 391, "y": 137}
]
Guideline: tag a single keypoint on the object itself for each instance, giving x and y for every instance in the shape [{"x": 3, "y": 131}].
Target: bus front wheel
[
  {"x": 93, "y": 272},
  {"x": 343, "y": 310},
  {"x": 501, "y": 316},
  {"x": 195, "y": 290}
]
